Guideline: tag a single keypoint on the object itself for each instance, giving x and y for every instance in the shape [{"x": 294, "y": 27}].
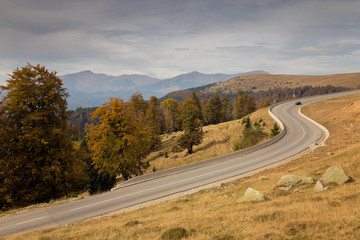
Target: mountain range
[{"x": 88, "y": 89}]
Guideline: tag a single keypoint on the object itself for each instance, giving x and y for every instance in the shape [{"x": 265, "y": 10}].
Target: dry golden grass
[
  {"x": 218, "y": 140},
  {"x": 266, "y": 81},
  {"x": 214, "y": 214}
]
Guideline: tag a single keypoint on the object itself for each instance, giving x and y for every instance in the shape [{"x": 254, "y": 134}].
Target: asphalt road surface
[{"x": 298, "y": 135}]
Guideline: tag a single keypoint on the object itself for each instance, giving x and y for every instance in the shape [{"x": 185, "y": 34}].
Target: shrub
[
  {"x": 251, "y": 135},
  {"x": 174, "y": 233}
]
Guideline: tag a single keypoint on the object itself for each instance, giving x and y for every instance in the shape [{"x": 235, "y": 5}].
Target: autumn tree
[
  {"x": 243, "y": 105},
  {"x": 37, "y": 159},
  {"x": 119, "y": 142},
  {"x": 172, "y": 112},
  {"x": 154, "y": 122},
  {"x": 192, "y": 123},
  {"x": 138, "y": 105},
  {"x": 99, "y": 181},
  {"x": 213, "y": 112},
  {"x": 197, "y": 103},
  {"x": 227, "y": 110}
]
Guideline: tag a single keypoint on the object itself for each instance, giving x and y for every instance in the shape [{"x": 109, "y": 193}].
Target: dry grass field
[
  {"x": 214, "y": 214},
  {"x": 218, "y": 140},
  {"x": 257, "y": 82}
]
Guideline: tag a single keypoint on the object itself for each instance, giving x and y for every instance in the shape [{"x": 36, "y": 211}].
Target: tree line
[{"x": 262, "y": 97}]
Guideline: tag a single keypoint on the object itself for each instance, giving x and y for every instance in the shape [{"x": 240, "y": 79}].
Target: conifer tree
[
  {"x": 227, "y": 110},
  {"x": 213, "y": 112},
  {"x": 275, "y": 130},
  {"x": 154, "y": 121},
  {"x": 192, "y": 123}
]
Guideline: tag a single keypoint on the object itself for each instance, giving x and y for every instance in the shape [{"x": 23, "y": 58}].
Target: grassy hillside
[
  {"x": 218, "y": 140},
  {"x": 214, "y": 214},
  {"x": 263, "y": 82},
  {"x": 257, "y": 82}
]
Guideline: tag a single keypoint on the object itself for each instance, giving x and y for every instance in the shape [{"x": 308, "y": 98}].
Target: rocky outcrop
[
  {"x": 333, "y": 175},
  {"x": 251, "y": 195},
  {"x": 288, "y": 181}
]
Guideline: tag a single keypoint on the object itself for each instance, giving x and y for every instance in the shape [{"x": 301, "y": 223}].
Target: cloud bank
[{"x": 163, "y": 38}]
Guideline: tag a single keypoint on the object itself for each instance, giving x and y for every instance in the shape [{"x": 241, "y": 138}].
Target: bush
[
  {"x": 275, "y": 130},
  {"x": 176, "y": 148},
  {"x": 251, "y": 135},
  {"x": 174, "y": 233}
]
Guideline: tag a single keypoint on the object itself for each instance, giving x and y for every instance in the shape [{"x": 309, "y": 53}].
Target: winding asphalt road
[{"x": 298, "y": 135}]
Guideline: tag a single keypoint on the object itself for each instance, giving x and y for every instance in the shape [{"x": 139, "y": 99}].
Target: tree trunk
[{"x": 125, "y": 177}]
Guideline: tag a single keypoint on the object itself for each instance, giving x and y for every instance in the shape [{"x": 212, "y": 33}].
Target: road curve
[{"x": 298, "y": 135}]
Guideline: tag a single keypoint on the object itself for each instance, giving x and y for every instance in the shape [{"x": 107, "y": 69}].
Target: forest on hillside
[
  {"x": 273, "y": 94},
  {"x": 80, "y": 116}
]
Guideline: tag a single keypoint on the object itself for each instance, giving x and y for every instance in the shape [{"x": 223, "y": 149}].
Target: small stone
[{"x": 285, "y": 188}]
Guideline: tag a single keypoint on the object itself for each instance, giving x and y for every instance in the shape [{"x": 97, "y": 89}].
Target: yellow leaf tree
[{"x": 119, "y": 142}]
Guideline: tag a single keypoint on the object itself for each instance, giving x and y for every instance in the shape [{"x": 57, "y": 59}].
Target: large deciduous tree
[
  {"x": 119, "y": 142},
  {"x": 37, "y": 159}
]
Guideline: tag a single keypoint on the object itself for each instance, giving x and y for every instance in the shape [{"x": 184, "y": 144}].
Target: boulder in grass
[
  {"x": 335, "y": 174},
  {"x": 288, "y": 181},
  {"x": 252, "y": 195}
]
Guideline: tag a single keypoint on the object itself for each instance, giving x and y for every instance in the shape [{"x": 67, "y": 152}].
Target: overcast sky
[{"x": 163, "y": 38}]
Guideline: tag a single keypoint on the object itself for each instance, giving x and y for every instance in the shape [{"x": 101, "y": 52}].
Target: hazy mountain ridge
[
  {"x": 265, "y": 82},
  {"x": 88, "y": 89}
]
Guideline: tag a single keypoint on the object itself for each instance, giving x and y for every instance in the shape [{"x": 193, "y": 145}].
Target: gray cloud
[{"x": 165, "y": 37}]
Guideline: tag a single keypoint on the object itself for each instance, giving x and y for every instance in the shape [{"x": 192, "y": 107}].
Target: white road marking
[{"x": 32, "y": 220}]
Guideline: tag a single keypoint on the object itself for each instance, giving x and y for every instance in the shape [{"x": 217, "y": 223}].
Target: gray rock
[
  {"x": 335, "y": 174},
  {"x": 320, "y": 186},
  {"x": 252, "y": 195},
  {"x": 292, "y": 180}
]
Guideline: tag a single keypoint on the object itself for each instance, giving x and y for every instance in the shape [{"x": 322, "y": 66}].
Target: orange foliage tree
[{"x": 119, "y": 142}]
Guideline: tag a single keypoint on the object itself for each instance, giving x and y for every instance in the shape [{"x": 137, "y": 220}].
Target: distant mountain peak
[
  {"x": 88, "y": 89},
  {"x": 85, "y": 72}
]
